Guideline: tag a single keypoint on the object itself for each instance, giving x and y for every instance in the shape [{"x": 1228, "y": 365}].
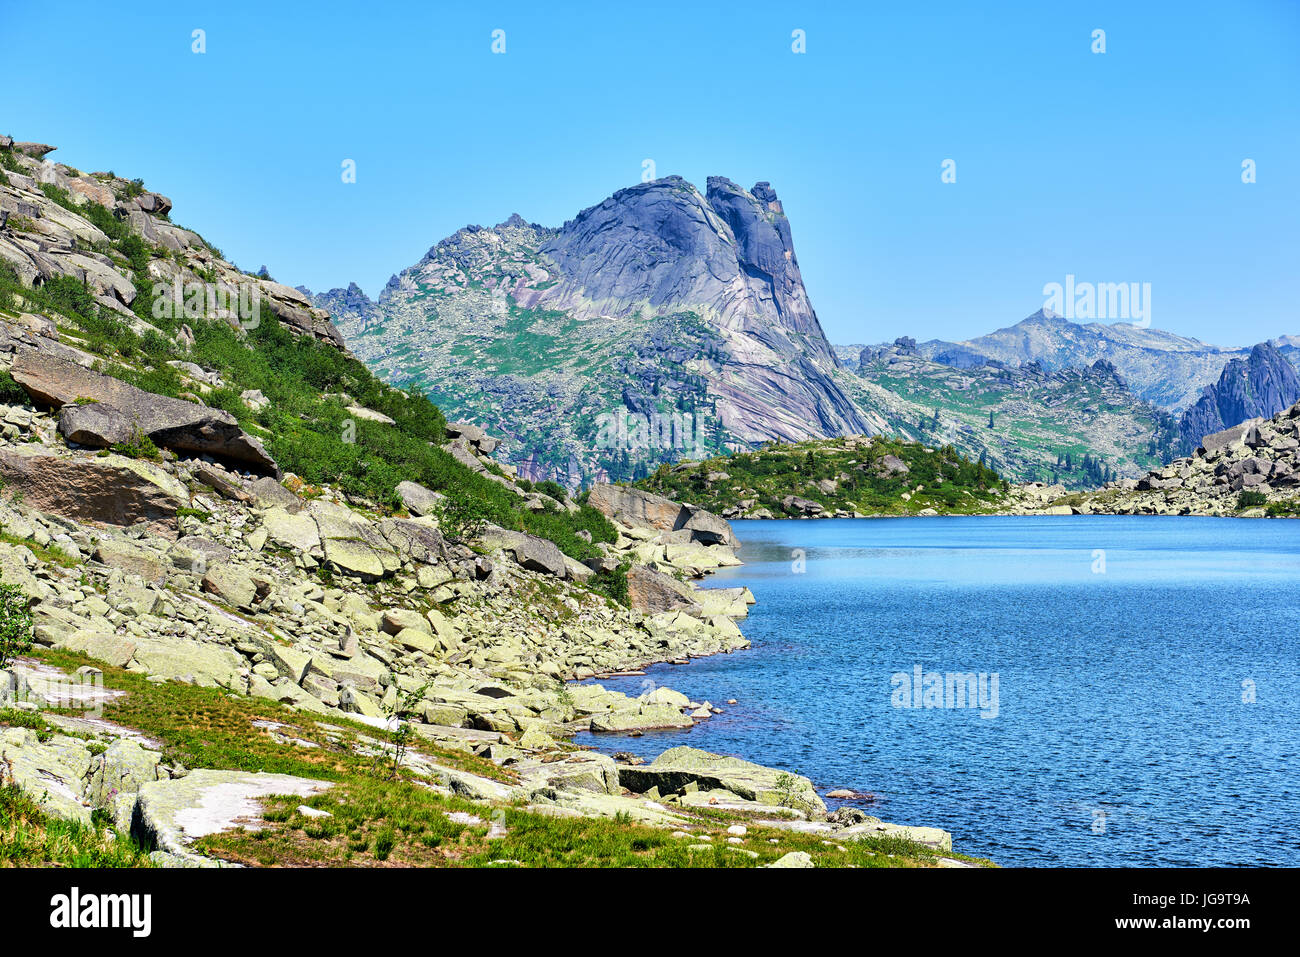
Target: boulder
[
  {"x": 96, "y": 425},
  {"x": 268, "y": 493},
  {"x": 112, "y": 490},
  {"x": 708, "y": 528},
  {"x": 292, "y": 531},
  {"x": 634, "y": 507},
  {"x": 123, "y": 768},
  {"x": 803, "y": 506},
  {"x": 235, "y": 586},
  {"x": 131, "y": 558},
  {"x": 1220, "y": 440},
  {"x": 52, "y": 772},
  {"x": 678, "y": 767},
  {"x": 34, "y": 150},
  {"x": 173, "y": 423},
  {"x": 535, "y": 554},
  {"x": 418, "y": 499},
  {"x": 794, "y": 859},
  {"x": 649, "y": 716},
  {"x": 474, "y": 435},
  {"x": 639, "y": 509},
  {"x": 651, "y": 591}
]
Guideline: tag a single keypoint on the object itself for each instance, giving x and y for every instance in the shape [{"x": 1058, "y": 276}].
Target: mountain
[
  {"x": 661, "y": 305},
  {"x": 1260, "y": 385},
  {"x": 1077, "y": 426},
  {"x": 1166, "y": 369}
]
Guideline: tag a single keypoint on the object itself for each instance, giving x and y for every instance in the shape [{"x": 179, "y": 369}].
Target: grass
[
  {"x": 51, "y": 554},
  {"x": 31, "y": 838},
  {"x": 408, "y": 826},
  {"x": 380, "y": 822}
]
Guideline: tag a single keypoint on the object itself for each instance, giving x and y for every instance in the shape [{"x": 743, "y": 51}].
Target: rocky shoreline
[{"x": 217, "y": 583}]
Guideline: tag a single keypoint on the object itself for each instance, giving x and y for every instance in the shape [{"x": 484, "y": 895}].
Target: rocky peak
[{"x": 1261, "y": 384}]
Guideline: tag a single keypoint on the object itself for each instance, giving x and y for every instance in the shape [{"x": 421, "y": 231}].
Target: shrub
[
  {"x": 11, "y": 393},
  {"x": 1251, "y": 498},
  {"x": 612, "y": 583},
  {"x": 139, "y": 446},
  {"x": 15, "y": 624}
]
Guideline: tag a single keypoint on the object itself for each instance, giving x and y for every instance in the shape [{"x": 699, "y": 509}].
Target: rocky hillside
[
  {"x": 1251, "y": 469},
  {"x": 661, "y": 303},
  {"x": 1165, "y": 369},
  {"x": 1079, "y": 427},
  {"x": 1258, "y": 386},
  {"x": 225, "y": 545},
  {"x": 834, "y": 478}
]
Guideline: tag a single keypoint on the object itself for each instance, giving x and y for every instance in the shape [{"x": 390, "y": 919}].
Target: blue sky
[{"x": 1115, "y": 167}]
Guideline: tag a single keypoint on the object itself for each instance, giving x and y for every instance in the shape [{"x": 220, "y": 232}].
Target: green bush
[
  {"x": 11, "y": 393},
  {"x": 612, "y": 583},
  {"x": 15, "y": 624},
  {"x": 1251, "y": 498}
]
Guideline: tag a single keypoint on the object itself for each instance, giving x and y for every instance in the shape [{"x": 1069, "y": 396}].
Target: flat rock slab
[
  {"x": 678, "y": 767},
  {"x": 171, "y": 815},
  {"x": 121, "y": 409}
]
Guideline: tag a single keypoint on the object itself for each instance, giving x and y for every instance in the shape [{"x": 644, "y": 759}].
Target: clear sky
[{"x": 1123, "y": 166}]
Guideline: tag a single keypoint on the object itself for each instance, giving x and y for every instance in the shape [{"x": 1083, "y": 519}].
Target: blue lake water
[{"x": 1123, "y": 648}]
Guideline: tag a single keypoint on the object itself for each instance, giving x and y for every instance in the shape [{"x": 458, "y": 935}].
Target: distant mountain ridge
[{"x": 1164, "y": 368}]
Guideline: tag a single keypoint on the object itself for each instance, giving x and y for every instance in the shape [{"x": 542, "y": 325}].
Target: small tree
[
  {"x": 15, "y": 624},
  {"x": 787, "y": 789},
  {"x": 460, "y": 514},
  {"x": 403, "y": 706}
]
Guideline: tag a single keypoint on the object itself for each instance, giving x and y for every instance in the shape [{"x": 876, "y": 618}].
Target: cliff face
[
  {"x": 660, "y": 300},
  {"x": 728, "y": 254},
  {"x": 1258, "y": 386}
]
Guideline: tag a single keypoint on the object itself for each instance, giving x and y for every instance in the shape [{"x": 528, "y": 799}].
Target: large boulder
[
  {"x": 678, "y": 767},
  {"x": 474, "y": 435},
  {"x": 632, "y": 506},
  {"x": 528, "y": 551},
  {"x": 352, "y": 544},
  {"x": 708, "y": 528},
  {"x": 132, "y": 558},
  {"x": 640, "y": 509},
  {"x": 173, "y": 423},
  {"x": 418, "y": 499},
  {"x": 652, "y": 591},
  {"x": 647, "y": 716},
  {"x": 235, "y": 586},
  {"x": 53, "y": 772},
  {"x": 122, "y": 769},
  {"x": 112, "y": 490}
]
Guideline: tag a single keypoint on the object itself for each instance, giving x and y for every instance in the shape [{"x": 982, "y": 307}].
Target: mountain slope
[
  {"x": 659, "y": 301},
  {"x": 1166, "y": 369},
  {"x": 1073, "y": 426}
]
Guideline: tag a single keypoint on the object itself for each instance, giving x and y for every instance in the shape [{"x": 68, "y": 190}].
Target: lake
[{"x": 1076, "y": 690}]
